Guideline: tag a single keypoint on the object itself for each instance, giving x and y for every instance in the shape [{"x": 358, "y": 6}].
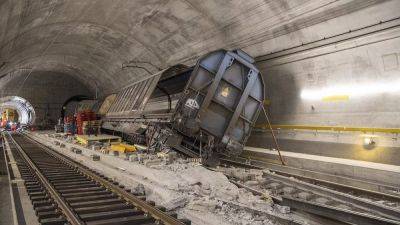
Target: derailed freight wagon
[{"x": 206, "y": 110}]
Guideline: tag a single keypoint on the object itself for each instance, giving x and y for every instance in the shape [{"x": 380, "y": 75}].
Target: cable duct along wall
[{"x": 26, "y": 113}]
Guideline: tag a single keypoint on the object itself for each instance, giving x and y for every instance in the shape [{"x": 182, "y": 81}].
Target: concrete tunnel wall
[
  {"x": 91, "y": 40},
  {"x": 362, "y": 68}
]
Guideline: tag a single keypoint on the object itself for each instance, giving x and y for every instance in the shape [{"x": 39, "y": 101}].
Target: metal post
[{"x": 273, "y": 136}]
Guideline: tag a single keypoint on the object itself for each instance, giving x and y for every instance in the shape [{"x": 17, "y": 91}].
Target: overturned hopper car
[{"x": 205, "y": 110}]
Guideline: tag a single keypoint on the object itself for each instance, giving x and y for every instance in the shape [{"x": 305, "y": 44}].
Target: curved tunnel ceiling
[{"x": 92, "y": 39}]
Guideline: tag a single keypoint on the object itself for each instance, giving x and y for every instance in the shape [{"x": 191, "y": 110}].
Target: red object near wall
[{"x": 84, "y": 116}]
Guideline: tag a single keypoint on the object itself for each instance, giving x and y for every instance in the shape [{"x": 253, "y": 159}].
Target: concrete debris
[
  {"x": 343, "y": 206},
  {"x": 255, "y": 174},
  {"x": 153, "y": 162},
  {"x": 95, "y": 157},
  {"x": 76, "y": 150},
  {"x": 96, "y": 147},
  {"x": 282, "y": 209},
  {"x": 202, "y": 195},
  {"x": 121, "y": 168},
  {"x": 138, "y": 190},
  {"x": 245, "y": 175},
  {"x": 252, "y": 183},
  {"x": 133, "y": 158},
  {"x": 288, "y": 190},
  {"x": 141, "y": 157},
  {"x": 105, "y": 151},
  {"x": 322, "y": 200},
  {"x": 203, "y": 204},
  {"x": 70, "y": 139},
  {"x": 238, "y": 173},
  {"x": 305, "y": 195},
  {"x": 233, "y": 215},
  {"x": 258, "y": 202},
  {"x": 275, "y": 185},
  {"x": 167, "y": 157}
]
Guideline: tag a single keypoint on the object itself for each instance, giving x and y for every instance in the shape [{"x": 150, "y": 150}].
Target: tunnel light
[
  {"x": 369, "y": 141},
  {"x": 344, "y": 92},
  {"x": 25, "y": 111}
]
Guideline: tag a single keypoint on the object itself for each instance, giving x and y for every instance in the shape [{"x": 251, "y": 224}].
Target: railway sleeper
[
  {"x": 96, "y": 203},
  {"x": 53, "y": 221},
  {"x": 91, "y": 195},
  {"x": 129, "y": 220},
  {"x": 48, "y": 214},
  {"x": 75, "y": 190},
  {"x": 102, "y": 208},
  {"x": 60, "y": 174},
  {"x": 92, "y": 202},
  {"x": 37, "y": 193},
  {"x": 66, "y": 179},
  {"x": 89, "y": 198},
  {"x": 69, "y": 181},
  {"x": 46, "y": 208},
  {"x": 74, "y": 186},
  {"x": 86, "y": 193},
  {"x": 110, "y": 214}
]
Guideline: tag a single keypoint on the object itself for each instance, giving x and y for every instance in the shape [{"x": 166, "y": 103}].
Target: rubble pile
[{"x": 202, "y": 195}]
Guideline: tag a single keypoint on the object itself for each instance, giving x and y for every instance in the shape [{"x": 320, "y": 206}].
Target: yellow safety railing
[{"x": 331, "y": 128}]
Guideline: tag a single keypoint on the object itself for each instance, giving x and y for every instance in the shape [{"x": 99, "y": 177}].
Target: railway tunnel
[{"x": 200, "y": 112}]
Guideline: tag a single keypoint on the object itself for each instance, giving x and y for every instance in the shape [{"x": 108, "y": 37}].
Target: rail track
[
  {"x": 65, "y": 192},
  {"x": 339, "y": 202}
]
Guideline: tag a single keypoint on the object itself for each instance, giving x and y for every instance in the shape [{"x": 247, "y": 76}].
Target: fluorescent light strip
[{"x": 355, "y": 90}]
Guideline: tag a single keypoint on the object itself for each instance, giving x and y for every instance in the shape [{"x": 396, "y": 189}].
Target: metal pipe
[{"x": 331, "y": 128}]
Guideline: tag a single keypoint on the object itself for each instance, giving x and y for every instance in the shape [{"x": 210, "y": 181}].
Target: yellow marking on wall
[
  {"x": 332, "y": 128},
  {"x": 335, "y": 98}
]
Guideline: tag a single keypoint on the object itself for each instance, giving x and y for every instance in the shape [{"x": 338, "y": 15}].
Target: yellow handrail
[{"x": 331, "y": 128}]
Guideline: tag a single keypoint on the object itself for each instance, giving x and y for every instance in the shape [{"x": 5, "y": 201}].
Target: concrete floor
[
  {"x": 355, "y": 169},
  {"x": 379, "y": 154},
  {"x": 15, "y": 204},
  {"x": 6, "y": 216}
]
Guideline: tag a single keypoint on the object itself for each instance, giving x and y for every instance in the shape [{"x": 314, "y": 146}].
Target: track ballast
[{"x": 65, "y": 192}]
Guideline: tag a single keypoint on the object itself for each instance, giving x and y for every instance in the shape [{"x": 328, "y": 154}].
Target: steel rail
[
  {"x": 391, "y": 214},
  {"x": 388, "y": 212},
  {"x": 342, "y": 187},
  {"x": 362, "y": 188},
  {"x": 343, "y": 215},
  {"x": 393, "y": 130},
  {"x": 66, "y": 209},
  {"x": 137, "y": 202}
]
